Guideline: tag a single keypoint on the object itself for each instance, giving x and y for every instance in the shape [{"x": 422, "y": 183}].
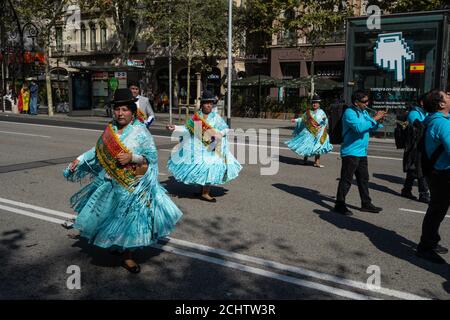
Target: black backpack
[
  {"x": 337, "y": 111},
  {"x": 427, "y": 164},
  {"x": 401, "y": 134}
]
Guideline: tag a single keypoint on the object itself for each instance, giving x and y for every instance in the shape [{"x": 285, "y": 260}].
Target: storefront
[
  {"x": 405, "y": 58},
  {"x": 91, "y": 88}
]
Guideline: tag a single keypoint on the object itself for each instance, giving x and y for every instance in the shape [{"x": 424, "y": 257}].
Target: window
[
  {"x": 93, "y": 37},
  {"x": 82, "y": 37},
  {"x": 59, "y": 38},
  {"x": 288, "y": 36},
  {"x": 103, "y": 37}
]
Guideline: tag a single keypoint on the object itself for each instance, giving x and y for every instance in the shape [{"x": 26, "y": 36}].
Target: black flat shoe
[
  {"x": 342, "y": 209},
  {"x": 430, "y": 255},
  {"x": 408, "y": 195},
  {"x": 208, "y": 200},
  {"x": 134, "y": 269},
  {"x": 440, "y": 249},
  {"x": 371, "y": 208}
]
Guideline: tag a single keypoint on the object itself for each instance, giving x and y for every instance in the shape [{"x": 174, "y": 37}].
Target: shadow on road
[
  {"x": 182, "y": 190},
  {"x": 389, "y": 242},
  {"x": 326, "y": 202},
  {"x": 295, "y": 161},
  {"x": 389, "y": 178}
]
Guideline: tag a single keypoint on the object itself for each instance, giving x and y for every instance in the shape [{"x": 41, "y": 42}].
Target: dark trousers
[
  {"x": 439, "y": 183},
  {"x": 409, "y": 181},
  {"x": 357, "y": 166}
]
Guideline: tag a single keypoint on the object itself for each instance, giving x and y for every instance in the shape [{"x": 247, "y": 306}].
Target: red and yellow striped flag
[{"x": 417, "y": 68}]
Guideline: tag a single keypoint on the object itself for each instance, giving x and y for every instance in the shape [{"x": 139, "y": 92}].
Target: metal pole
[
  {"x": 170, "y": 67},
  {"x": 230, "y": 44},
  {"x": 3, "y": 53}
]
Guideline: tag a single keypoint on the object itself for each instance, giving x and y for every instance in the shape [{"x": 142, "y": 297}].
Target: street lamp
[
  {"x": 230, "y": 62},
  {"x": 259, "y": 61}
]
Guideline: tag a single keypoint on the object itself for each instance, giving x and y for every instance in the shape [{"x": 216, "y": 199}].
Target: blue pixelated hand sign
[{"x": 391, "y": 52}]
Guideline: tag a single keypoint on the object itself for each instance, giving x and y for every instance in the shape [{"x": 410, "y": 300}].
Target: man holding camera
[{"x": 356, "y": 125}]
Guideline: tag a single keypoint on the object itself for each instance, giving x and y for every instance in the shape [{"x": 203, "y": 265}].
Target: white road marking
[
  {"x": 417, "y": 211},
  {"x": 36, "y": 208},
  {"x": 51, "y": 126},
  {"x": 168, "y": 137},
  {"x": 224, "y": 263},
  {"x": 26, "y": 134},
  {"x": 30, "y": 214},
  {"x": 267, "y": 274},
  {"x": 293, "y": 269},
  {"x": 237, "y": 256}
]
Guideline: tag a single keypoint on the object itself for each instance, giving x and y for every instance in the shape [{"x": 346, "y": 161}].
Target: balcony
[
  {"x": 75, "y": 49},
  {"x": 286, "y": 38}
]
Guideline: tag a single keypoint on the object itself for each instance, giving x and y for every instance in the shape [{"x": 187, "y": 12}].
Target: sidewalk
[{"x": 162, "y": 119}]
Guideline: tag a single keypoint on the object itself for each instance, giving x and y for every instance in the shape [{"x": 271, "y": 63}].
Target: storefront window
[{"x": 415, "y": 41}]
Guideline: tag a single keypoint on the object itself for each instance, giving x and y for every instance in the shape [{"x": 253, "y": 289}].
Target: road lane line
[
  {"x": 169, "y": 137},
  {"x": 267, "y": 274},
  {"x": 297, "y": 270},
  {"x": 224, "y": 263},
  {"x": 52, "y": 126},
  {"x": 417, "y": 211},
  {"x": 224, "y": 253},
  {"x": 36, "y": 208},
  {"x": 25, "y": 134},
  {"x": 30, "y": 214}
]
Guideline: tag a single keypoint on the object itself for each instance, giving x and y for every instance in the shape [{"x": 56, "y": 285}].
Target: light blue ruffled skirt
[
  {"x": 196, "y": 165},
  {"x": 108, "y": 220},
  {"x": 306, "y": 145}
]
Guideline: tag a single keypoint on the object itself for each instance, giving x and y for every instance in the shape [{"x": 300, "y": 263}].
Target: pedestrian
[
  {"x": 143, "y": 103},
  {"x": 33, "y": 97},
  {"x": 203, "y": 157},
  {"x": 310, "y": 134},
  {"x": 25, "y": 95},
  {"x": 412, "y": 155},
  {"x": 356, "y": 125},
  {"x": 125, "y": 207},
  {"x": 437, "y": 149}
]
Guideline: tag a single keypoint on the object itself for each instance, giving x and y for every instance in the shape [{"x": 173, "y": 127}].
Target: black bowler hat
[
  {"x": 124, "y": 97},
  {"x": 315, "y": 98},
  {"x": 207, "y": 96}
]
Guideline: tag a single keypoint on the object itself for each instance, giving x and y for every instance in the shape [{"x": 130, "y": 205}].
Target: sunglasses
[{"x": 364, "y": 101}]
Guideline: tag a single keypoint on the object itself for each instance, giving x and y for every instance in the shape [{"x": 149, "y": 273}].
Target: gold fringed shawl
[
  {"x": 313, "y": 126},
  {"x": 207, "y": 132},
  {"x": 107, "y": 149},
  {"x": 207, "y": 129}
]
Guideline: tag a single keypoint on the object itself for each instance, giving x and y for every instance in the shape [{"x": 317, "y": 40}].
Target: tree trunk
[
  {"x": 189, "y": 58},
  {"x": 48, "y": 82},
  {"x": 188, "y": 81},
  {"x": 312, "y": 71}
]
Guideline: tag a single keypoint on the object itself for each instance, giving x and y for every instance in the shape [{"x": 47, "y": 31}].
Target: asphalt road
[{"x": 267, "y": 237}]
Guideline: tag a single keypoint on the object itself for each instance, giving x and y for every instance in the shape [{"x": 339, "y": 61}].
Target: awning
[
  {"x": 320, "y": 83},
  {"x": 255, "y": 81}
]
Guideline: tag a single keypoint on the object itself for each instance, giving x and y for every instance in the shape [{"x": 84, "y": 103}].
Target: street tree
[
  {"x": 318, "y": 21},
  {"x": 45, "y": 14},
  {"x": 198, "y": 30},
  {"x": 397, "y": 6}
]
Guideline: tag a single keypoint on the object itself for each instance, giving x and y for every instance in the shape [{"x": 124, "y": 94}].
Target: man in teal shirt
[
  {"x": 437, "y": 148},
  {"x": 356, "y": 125},
  {"x": 411, "y": 157}
]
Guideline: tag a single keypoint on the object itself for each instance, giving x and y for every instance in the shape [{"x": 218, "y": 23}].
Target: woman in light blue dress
[
  {"x": 203, "y": 156},
  {"x": 124, "y": 207},
  {"x": 310, "y": 134}
]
